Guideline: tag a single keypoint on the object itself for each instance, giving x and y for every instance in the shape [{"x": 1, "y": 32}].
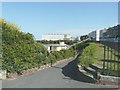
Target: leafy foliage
[
  {"x": 84, "y": 37},
  {"x": 20, "y": 50},
  {"x": 69, "y": 42},
  {"x": 81, "y": 46},
  {"x": 88, "y": 55},
  {"x": 59, "y": 55}
]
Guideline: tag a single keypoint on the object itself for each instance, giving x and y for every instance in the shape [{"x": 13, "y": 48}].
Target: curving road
[{"x": 63, "y": 75}]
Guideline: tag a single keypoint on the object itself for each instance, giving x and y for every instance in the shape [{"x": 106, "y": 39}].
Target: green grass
[
  {"x": 99, "y": 54},
  {"x": 87, "y": 56},
  {"x": 112, "y": 68}
]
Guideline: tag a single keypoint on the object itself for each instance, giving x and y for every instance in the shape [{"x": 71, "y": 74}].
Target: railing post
[
  {"x": 104, "y": 60},
  {"x": 118, "y": 60},
  {"x": 111, "y": 60},
  {"x": 108, "y": 54}
]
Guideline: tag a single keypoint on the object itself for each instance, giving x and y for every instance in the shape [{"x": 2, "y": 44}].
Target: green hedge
[
  {"x": 63, "y": 54},
  {"x": 68, "y": 42},
  {"x": 88, "y": 55},
  {"x": 82, "y": 45},
  {"x": 20, "y": 51}
]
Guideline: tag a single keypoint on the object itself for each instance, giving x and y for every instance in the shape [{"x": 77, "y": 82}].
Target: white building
[
  {"x": 110, "y": 34},
  {"x": 56, "y": 47},
  {"x": 54, "y": 37},
  {"x": 98, "y": 35},
  {"x": 95, "y": 35},
  {"x": 102, "y": 34}
]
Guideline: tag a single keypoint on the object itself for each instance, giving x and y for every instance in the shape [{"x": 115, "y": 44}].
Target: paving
[{"x": 63, "y": 75}]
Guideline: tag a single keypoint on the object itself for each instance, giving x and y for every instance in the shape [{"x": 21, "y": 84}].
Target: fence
[{"x": 111, "y": 62}]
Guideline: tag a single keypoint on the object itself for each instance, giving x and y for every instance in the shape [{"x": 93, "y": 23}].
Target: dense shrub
[
  {"x": 20, "y": 50},
  {"x": 68, "y": 42},
  {"x": 79, "y": 47},
  {"x": 88, "y": 55},
  {"x": 59, "y": 55}
]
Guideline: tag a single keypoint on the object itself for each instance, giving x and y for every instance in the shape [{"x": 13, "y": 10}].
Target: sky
[
  {"x": 60, "y": 0},
  {"x": 75, "y": 18}
]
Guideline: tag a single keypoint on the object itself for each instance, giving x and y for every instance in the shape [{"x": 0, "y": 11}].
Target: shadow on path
[{"x": 71, "y": 70}]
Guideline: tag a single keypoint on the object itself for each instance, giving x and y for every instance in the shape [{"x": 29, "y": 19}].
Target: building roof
[{"x": 56, "y": 34}]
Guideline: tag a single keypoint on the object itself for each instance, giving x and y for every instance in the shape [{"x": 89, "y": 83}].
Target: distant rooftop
[{"x": 55, "y": 34}]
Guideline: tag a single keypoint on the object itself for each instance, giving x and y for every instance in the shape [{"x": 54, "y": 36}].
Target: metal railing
[{"x": 111, "y": 62}]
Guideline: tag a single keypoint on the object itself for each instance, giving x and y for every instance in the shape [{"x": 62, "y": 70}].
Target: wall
[{"x": 2, "y": 74}]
